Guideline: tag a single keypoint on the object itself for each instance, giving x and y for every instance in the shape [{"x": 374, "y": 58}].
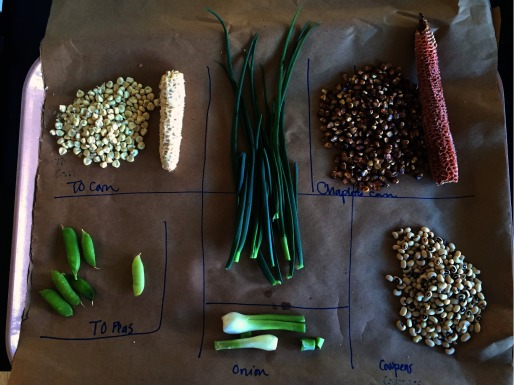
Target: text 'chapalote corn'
[{"x": 172, "y": 101}]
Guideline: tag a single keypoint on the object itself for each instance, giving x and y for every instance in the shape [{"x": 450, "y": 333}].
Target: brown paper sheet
[{"x": 182, "y": 222}]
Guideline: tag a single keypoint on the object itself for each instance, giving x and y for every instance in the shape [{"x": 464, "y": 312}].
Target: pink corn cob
[{"x": 442, "y": 157}]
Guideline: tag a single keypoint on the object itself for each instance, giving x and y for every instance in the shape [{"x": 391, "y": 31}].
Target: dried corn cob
[
  {"x": 172, "y": 100},
  {"x": 440, "y": 147}
]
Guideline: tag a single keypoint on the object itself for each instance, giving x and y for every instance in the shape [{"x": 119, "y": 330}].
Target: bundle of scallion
[{"x": 266, "y": 183}]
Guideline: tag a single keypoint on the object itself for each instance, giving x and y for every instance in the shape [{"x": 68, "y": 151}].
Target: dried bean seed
[
  {"x": 376, "y": 127},
  {"x": 441, "y": 299},
  {"x": 449, "y": 351},
  {"x": 98, "y": 117}
]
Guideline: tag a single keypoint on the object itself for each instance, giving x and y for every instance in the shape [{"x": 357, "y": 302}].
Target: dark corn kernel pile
[{"x": 374, "y": 119}]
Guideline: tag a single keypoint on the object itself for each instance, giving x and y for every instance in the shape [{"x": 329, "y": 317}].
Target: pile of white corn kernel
[
  {"x": 107, "y": 124},
  {"x": 440, "y": 294}
]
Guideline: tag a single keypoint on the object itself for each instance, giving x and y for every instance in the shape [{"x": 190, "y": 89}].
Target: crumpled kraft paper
[{"x": 182, "y": 222}]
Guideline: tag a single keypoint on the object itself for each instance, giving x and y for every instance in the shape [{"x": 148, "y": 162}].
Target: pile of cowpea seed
[
  {"x": 374, "y": 118},
  {"x": 440, "y": 293},
  {"x": 107, "y": 124}
]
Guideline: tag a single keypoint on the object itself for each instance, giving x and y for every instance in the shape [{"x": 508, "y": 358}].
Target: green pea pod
[
  {"x": 71, "y": 243},
  {"x": 88, "y": 249},
  {"x": 138, "y": 275},
  {"x": 57, "y": 303},
  {"x": 63, "y": 287},
  {"x": 81, "y": 286}
]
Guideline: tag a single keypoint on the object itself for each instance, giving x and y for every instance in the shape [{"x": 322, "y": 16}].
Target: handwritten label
[
  {"x": 397, "y": 367},
  {"x": 324, "y": 188},
  {"x": 248, "y": 372},
  {"x": 62, "y": 171},
  {"x": 100, "y": 327},
  {"x": 60, "y": 161},
  {"x": 79, "y": 186},
  {"x": 389, "y": 380}
]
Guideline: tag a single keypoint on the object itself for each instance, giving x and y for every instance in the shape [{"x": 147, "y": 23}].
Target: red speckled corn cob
[{"x": 442, "y": 157}]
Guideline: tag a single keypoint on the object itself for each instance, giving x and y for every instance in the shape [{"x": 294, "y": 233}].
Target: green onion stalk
[
  {"x": 237, "y": 323},
  {"x": 266, "y": 342},
  {"x": 265, "y": 181}
]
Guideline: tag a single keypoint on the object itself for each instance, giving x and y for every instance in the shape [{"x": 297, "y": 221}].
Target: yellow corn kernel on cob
[{"x": 172, "y": 101}]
